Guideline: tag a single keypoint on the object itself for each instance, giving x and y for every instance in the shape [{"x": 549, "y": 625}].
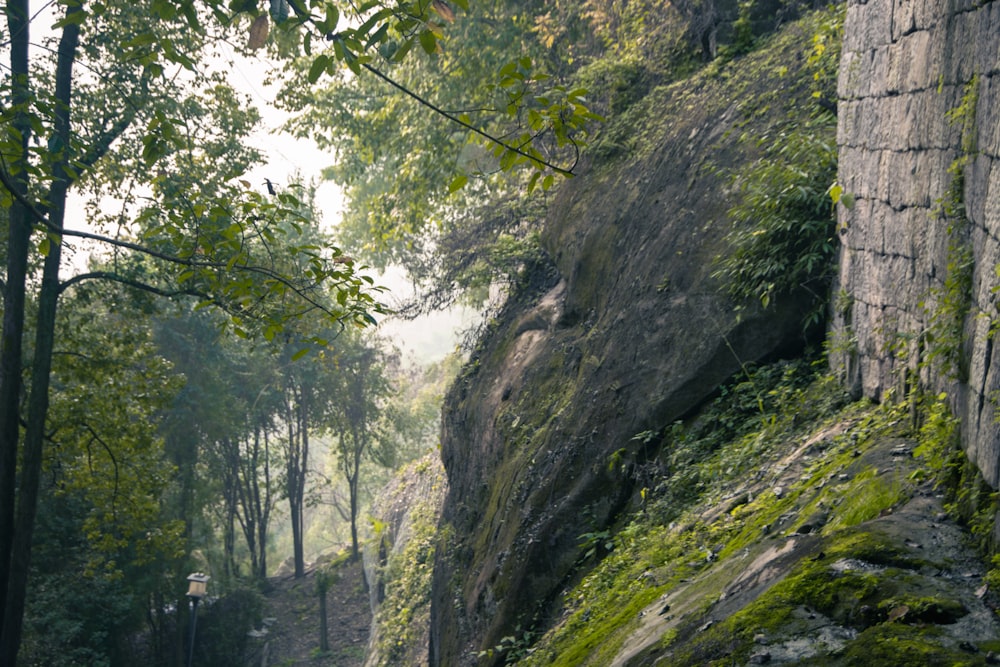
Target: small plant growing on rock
[{"x": 513, "y": 647}]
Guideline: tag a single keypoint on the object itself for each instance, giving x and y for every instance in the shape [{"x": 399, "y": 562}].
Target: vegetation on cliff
[
  {"x": 808, "y": 537},
  {"x": 773, "y": 524}
]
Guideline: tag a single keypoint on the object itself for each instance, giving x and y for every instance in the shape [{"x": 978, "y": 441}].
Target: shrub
[{"x": 783, "y": 237}]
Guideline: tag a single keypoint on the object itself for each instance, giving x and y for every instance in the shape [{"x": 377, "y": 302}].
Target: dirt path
[{"x": 293, "y": 636}]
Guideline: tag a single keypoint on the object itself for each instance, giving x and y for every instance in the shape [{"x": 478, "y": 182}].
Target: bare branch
[
  {"x": 204, "y": 264},
  {"x": 123, "y": 280}
]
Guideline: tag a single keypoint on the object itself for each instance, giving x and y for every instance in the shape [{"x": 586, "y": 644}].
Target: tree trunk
[
  {"x": 230, "y": 508},
  {"x": 300, "y": 563},
  {"x": 352, "y": 484},
  {"x": 264, "y": 505},
  {"x": 38, "y": 401},
  {"x": 31, "y": 460},
  {"x": 296, "y": 456},
  {"x": 180, "y": 645},
  {"x": 244, "y": 469},
  {"x": 183, "y": 452},
  {"x": 18, "y": 241}
]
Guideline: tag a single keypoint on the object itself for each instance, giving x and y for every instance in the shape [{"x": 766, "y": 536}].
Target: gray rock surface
[
  {"x": 627, "y": 332},
  {"x": 413, "y": 497}
]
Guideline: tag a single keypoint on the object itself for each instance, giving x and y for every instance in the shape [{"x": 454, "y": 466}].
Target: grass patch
[{"x": 867, "y": 496}]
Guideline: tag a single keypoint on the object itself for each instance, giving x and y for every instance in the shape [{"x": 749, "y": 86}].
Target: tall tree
[
  {"x": 117, "y": 103},
  {"x": 298, "y": 407},
  {"x": 310, "y": 394},
  {"x": 214, "y": 243},
  {"x": 103, "y": 537},
  {"x": 249, "y": 495},
  {"x": 357, "y": 422},
  {"x": 218, "y": 427}
]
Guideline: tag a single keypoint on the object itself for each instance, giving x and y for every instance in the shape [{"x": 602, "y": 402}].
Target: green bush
[
  {"x": 783, "y": 237},
  {"x": 221, "y": 637},
  {"x": 783, "y": 241}
]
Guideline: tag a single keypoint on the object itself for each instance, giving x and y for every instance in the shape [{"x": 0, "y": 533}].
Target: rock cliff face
[
  {"x": 625, "y": 332},
  {"x": 396, "y": 564},
  {"x": 920, "y": 153}
]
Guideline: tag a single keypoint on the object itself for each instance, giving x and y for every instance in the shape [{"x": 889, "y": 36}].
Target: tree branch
[
  {"x": 195, "y": 263},
  {"x": 129, "y": 282},
  {"x": 305, "y": 17},
  {"x": 95, "y": 437},
  {"x": 469, "y": 126}
]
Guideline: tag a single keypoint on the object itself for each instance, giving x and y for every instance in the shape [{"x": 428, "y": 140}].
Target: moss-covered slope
[{"x": 819, "y": 537}]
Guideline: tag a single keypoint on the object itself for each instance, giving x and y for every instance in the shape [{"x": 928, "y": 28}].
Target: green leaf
[
  {"x": 429, "y": 42},
  {"x": 301, "y": 353},
  {"x": 533, "y": 181},
  {"x": 457, "y": 183},
  {"x": 378, "y": 16},
  {"x": 143, "y": 39},
  {"x": 77, "y": 17},
  {"x": 318, "y": 66},
  {"x": 332, "y": 17},
  {"x": 401, "y": 52},
  {"x": 279, "y": 10},
  {"x": 836, "y": 190},
  {"x": 379, "y": 36},
  {"x": 187, "y": 8}
]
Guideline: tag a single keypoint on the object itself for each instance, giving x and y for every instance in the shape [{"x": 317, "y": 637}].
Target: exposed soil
[{"x": 292, "y": 608}]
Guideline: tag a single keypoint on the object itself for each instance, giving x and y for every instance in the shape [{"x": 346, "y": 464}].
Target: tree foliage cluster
[
  {"x": 180, "y": 446},
  {"x": 453, "y": 214},
  {"x": 410, "y": 174},
  {"x": 118, "y": 133},
  {"x": 783, "y": 242}
]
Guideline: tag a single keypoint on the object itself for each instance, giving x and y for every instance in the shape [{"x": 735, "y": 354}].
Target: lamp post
[{"x": 197, "y": 587}]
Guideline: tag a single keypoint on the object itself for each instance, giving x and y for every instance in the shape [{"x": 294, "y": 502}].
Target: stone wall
[{"x": 910, "y": 156}]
